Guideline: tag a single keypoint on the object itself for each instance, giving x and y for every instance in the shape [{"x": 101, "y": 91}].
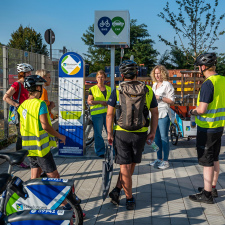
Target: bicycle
[
  {"x": 88, "y": 127},
  {"x": 37, "y": 195}
]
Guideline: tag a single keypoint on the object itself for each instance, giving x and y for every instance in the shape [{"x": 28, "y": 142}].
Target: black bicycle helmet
[
  {"x": 207, "y": 59},
  {"x": 32, "y": 81},
  {"x": 129, "y": 69}
]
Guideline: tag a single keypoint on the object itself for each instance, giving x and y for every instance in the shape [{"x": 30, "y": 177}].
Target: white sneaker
[
  {"x": 156, "y": 162},
  {"x": 164, "y": 165}
]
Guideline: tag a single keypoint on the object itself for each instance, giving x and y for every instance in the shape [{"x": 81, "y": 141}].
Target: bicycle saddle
[
  {"x": 5, "y": 178},
  {"x": 14, "y": 157}
]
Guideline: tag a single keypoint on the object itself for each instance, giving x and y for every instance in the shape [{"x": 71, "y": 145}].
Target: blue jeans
[
  {"x": 162, "y": 139},
  {"x": 98, "y": 121}
]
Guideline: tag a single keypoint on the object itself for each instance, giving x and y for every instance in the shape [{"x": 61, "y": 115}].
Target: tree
[
  {"x": 141, "y": 47},
  {"x": 175, "y": 59},
  {"x": 27, "y": 39},
  {"x": 220, "y": 67},
  {"x": 195, "y": 22}
]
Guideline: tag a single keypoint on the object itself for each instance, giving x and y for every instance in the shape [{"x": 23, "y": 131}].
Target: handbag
[{"x": 13, "y": 114}]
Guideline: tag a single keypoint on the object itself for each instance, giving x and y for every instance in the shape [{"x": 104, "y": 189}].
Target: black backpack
[{"x": 131, "y": 110}]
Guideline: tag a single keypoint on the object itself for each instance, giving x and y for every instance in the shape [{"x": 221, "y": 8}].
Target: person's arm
[
  {"x": 109, "y": 123},
  {"x": 91, "y": 101},
  {"x": 8, "y": 95},
  {"x": 201, "y": 109},
  {"x": 169, "y": 98},
  {"x": 154, "y": 124},
  {"x": 48, "y": 128}
]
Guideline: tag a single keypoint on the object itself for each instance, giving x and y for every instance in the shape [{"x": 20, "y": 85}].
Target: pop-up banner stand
[{"x": 71, "y": 104}]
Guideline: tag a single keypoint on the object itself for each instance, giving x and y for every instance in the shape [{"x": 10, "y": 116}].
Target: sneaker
[
  {"x": 164, "y": 165},
  {"x": 214, "y": 191},
  {"x": 201, "y": 197},
  {"x": 156, "y": 162},
  {"x": 130, "y": 204},
  {"x": 24, "y": 165},
  {"x": 115, "y": 196}
]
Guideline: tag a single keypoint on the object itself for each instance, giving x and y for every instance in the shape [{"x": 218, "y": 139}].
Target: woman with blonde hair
[
  {"x": 47, "y": 76},
  {"x": 164, "y": 93},
  {"x": 97, "y": 99}
]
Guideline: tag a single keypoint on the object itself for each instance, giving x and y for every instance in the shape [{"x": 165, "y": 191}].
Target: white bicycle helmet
[{"x": 24, "y": 67}]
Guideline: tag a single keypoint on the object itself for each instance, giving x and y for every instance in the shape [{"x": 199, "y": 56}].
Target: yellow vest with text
[
  {"x": 149, "y": 96},
  {"x": 37, "y": 142},
  {"x": 215, "y": 115},
  {"x": 98, "y": 96}
]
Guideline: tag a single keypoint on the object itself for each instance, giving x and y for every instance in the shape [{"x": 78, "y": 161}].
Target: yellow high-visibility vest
[
  {"x": 37, "y": 142},
  {"x": 215, "y": 115},
  {"x": 149, "y": 97},
  {"x": 98, "y": 96}
]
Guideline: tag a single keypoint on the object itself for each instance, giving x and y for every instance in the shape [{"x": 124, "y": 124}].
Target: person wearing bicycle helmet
[
  {"x": 164, "y": 93},
  {"x": 18, "y": 92},
  {"x": 129, "y": 144},
  {"x": 210, "y": 119},
  {"x": 37, "y": 133},
  {"x": 97, "y": 99}
]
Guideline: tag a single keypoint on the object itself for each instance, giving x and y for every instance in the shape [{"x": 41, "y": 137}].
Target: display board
[
  {"x": 71, "y": 104},
  {"x": 112, "y": 28}
]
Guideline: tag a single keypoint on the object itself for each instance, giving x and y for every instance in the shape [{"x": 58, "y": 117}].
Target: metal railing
[{"x": 9, "y": 58}]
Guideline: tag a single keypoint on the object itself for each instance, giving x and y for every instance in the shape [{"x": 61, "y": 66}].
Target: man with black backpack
[{"x": 132, "y": 100}]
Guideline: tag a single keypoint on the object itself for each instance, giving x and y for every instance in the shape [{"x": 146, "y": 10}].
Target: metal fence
[{"x": 9, "y": 58}]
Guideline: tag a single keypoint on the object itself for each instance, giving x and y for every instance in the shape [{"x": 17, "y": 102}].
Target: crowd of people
[{"x": 126, "y": 112}]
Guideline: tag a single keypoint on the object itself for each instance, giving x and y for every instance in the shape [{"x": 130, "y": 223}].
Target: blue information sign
[{"x": 71, "y": 103}]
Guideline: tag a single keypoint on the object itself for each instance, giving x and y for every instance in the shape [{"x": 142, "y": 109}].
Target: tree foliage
[
  {"x": 27, "y": 39},
  {"x": 141, "y": 47},
  {"x": 196, "y": 26}
]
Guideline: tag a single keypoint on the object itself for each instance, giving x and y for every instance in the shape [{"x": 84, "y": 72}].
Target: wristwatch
[{"x": 160, "y": 98}]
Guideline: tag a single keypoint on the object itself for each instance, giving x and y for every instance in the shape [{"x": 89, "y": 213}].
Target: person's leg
[
  {"x": 216, "y": 172},
  {"x": 104, "y": 121},
  {"x": 53, "y": 174},
  {"x": 99, "y": 142},
  {"x": 19, "y": 139},
  {"x": 126, "y": 179},
  {"x": 208, "y": 177},
  {"x": 164, "y": 131},
  {"x": 35, "y": 173}
]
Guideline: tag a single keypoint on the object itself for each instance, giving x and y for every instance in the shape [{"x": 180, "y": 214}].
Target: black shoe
[
  {"x": 201, "y": 197},
  {"x": 115, "y": 196},
  {"x": 130, "y": 204},
  {"x": 101, "y": 156},
  {"x": 214, "y": 191}
]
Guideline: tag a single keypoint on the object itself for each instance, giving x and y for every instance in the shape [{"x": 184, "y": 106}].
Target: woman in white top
[{"x": 164, "y": 93}]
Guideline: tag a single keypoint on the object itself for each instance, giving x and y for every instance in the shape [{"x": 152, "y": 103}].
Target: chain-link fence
[{"x": 9, "y": 58}]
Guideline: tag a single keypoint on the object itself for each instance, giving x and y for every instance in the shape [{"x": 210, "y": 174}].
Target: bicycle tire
[
  {"x": 78, "y": 212},
  {"x": 173, "y": 134},
  {"x": 90, "y": 139}
]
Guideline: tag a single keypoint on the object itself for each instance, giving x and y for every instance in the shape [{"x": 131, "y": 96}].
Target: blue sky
[{"x": 70, "y": 19}]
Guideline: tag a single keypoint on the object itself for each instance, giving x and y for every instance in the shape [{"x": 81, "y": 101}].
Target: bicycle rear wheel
[
  {"x": 89, "y": 134},
  {"x": 173, "y": 134},
  {"x": 77, "y": 213}
]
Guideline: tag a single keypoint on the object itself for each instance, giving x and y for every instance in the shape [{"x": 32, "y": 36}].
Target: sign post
[
  {"x": 111, "y": 29},
  {"x": 50, "y": 39},
  {"x": 71, "y": 104}
]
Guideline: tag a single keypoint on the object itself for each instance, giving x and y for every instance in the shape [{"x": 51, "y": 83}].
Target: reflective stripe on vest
[
  {"x": 37, "y": 142},
  {"x": 98, "y": 96},
  {"x": 215, "y": 114},
  {"x": 149, "y": 96}
]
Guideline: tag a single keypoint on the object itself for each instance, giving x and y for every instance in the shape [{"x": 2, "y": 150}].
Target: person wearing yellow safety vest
[
  {"x": 129, "y": 144},
  {"x": 38, "y": 136},
  {"x": 97, "y": 99},
  {"x": 210, "y": 119}
]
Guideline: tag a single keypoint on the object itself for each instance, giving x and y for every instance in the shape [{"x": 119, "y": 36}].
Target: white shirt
[{"x": 165, "y": 90}]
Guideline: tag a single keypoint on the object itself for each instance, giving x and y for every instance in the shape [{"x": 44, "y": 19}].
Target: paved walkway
[{"x": 161, "y": 195}]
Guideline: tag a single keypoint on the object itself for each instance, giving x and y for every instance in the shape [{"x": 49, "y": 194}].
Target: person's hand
[
  {"x": 63, "y": 139},
  {"x": 17, "y": 105},
  {"x": 110, "y": 138},
  {"x": 52, "y": 105},
  {"x": 150, "y": 138},
  {"x": 104, "y": 103}
]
